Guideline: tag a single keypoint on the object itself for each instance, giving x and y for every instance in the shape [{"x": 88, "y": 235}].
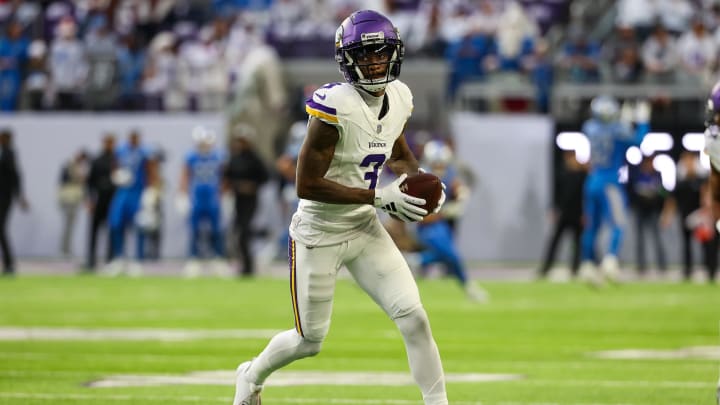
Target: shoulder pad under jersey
[{"x": 332, "y": 102}]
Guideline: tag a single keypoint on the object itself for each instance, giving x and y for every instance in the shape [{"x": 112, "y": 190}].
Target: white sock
[
  {"x": 283, "y": 349},
  {"x": 423, "y": 356}
]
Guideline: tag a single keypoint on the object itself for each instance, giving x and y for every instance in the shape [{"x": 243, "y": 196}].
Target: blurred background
[{"x": 506, "y": 85}]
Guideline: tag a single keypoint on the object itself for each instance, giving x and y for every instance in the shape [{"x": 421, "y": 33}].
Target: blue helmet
[
  {"x": 605, "y": 108},
  {"x": 364, "y": 34}
]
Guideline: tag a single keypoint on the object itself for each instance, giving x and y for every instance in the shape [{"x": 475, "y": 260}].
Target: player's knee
[
  {"x": 414, "y": 325},
  {"x": 308, "y": 348}
]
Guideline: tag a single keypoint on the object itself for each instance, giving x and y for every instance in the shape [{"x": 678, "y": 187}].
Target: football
[{"x": 423, "y": 185}]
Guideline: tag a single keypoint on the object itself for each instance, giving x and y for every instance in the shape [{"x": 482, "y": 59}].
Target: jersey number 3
[{"x": 374, "y": 161}]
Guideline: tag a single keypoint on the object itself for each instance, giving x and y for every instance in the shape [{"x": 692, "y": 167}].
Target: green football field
[{"x": 163, "y": 340}]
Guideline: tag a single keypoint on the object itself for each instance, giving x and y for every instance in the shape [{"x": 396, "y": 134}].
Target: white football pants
[{"x": 380, "y": 270}]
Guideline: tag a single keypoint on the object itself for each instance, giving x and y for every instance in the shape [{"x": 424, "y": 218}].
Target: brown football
[{"x": 423, "y": 185}]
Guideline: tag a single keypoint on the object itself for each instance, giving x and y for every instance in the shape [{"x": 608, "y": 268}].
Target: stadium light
[
  {"x": 633, "y": 155},
  {"x": 666, "y": 166},
  {"x": 656, "y": 141},
  {"x": 694, "y": 141}
]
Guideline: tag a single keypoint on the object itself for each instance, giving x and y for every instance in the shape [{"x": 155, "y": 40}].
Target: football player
[
  {"x": 712, "y": 148},
  {"x": 604, "y": 199},
  {"x": 434, "y": 232},
  {"x": 200, "y": 184},
  {"x": 131, "y": 177},
  {"x": 354, "y": 130}
]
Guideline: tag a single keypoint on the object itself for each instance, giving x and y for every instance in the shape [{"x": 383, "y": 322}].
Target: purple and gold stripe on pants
[{"x": 293, "y": 284}]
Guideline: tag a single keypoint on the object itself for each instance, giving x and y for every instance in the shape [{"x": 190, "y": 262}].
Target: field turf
[{"x": 547, "y": 335}]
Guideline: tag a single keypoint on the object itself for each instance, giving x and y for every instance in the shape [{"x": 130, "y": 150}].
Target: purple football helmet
[
  {"x": 364, "y": 41},
  {"x": 712, "y": 112}
]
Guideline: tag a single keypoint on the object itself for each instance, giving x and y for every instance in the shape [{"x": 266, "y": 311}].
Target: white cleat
[
  {"x": 476, "y": 293},
  {"x": 192, "y": 269},
  {"x": 588, "y": 274},
  {"x": 246, "y": 392},
  {"x": 610, "y": 268},
  {"x": 560, "y": 275},
  {"x": 135, "y": 269},
  {"x": 220, "y": 268},
  {"x": 114, "y": 268}
]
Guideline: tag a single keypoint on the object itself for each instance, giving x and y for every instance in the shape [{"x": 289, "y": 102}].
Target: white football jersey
[
  {"x": 712, "y": 147},
  {"x": 364, "y": 145}
]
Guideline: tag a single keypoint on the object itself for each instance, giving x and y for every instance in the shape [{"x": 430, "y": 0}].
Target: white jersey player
[
  {"x": 354, "y": 130},
  {"x": 712, "y": 147}
]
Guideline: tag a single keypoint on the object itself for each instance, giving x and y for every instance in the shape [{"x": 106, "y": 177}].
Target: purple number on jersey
[{"x": 376, "y": 160}]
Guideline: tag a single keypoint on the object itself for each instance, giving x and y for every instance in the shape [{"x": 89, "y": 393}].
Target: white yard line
[
  {"x": 82, "y": 334},
  {"x": 189, "y": 398}
]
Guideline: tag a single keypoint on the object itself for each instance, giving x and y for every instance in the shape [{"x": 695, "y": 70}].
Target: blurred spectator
[
  {"x": 10, "y": 189},
  {"x": 131, "y": 65},
  {"x": 659, "y": 55},
  {"x": 101, "y": 50},
  {"x": 160, "y": 86},
  {"x": 13, "y": 55},
  {"x": 244, "y": 174},
  {"x": 73, "y": 176},
  {"x": 68, "y": 66},
  {"x": 429, "y": 30},
  {"x": 627, "y": 67},
  {"x": 579, "y": 58},
  {"x": 100, "y": 190},
  {"x": 697, "y": 50},
  {"x": 257, "y": 88},
  {"x": 639, "y": 15},
  {"x": 203, "y": 71},
  {"x": 647, "y": 197},
  {"x": 620, "y": 53},
  {"x": 675, "y": 15},
  {"x": 514, "y": 39},
  {"x": 37, "y": 78},
  {"x": 567, "y": 211},
  {"x": 686, "y": 199},
  {"x": 540, "y": 68},
  {"x": 465, "y": 58}
]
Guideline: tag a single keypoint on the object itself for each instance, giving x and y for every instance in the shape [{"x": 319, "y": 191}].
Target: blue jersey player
[
  {"x": 131, "y": 177},
  {"x": 604, "y": 199},
  {"x": 201, "y": 182},
  {"x": 435, "y": 232}
]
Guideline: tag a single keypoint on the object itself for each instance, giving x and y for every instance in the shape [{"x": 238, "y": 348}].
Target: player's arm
[
  {"x": 402, "y": 159},
  {"x": 315, "y": 157}
]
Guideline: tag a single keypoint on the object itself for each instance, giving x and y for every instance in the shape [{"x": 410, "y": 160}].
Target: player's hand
[
  {"x": 441, "y": 201},
  {"x": 393, "y": 201}
]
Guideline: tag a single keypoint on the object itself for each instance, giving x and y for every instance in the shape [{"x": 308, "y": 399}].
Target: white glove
[
  {"x": 717, "y": 225},
  {"x": 393, "y": 201}
]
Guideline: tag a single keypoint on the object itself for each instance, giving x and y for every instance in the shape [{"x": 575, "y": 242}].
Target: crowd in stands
[{"x": 192, "y": 54}]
